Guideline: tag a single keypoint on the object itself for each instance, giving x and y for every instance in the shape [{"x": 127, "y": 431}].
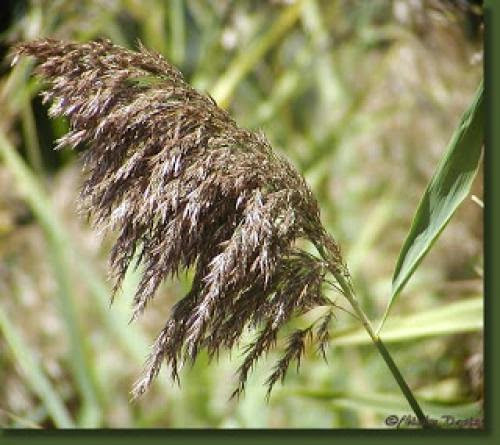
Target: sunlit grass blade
[
  {"x": 30, "y": 133},
  {"x": 449, "y": 186},
  {"x": 79, "y": 360},
  {"x": 35, "y": 377},
  {"x": 178, "y": 32},
  {"x": 452, "y": 318},
  {"x": 247, "y": 59}
]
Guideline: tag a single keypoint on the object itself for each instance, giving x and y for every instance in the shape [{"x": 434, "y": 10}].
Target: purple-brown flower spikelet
[{"x": 184, "y": 186}]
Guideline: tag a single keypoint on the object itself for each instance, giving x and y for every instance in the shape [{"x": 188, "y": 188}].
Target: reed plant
[
  {"x": 180, "y": 186},
  {"x": 185, "y": 186}
]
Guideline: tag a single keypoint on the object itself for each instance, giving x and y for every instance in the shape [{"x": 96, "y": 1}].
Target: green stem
[
  {"x": 405, "y": 389},
  {"x": 348, "y": 291}
]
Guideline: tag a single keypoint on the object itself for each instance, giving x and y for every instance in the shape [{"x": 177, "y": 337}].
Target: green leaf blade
[
  {"x": 34, "y": 373},
  {"x": 451, "y": 318},
  {"x": 449, "y": 186}
]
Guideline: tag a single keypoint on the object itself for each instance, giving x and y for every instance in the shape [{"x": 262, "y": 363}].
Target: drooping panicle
[{"x": 184, "y": 186}]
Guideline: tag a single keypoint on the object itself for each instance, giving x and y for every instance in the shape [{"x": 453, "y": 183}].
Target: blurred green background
[{"x": 363, "y": 97}]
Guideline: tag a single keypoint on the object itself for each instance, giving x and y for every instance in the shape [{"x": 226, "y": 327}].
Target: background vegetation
[{"x": 363, "y": 97}]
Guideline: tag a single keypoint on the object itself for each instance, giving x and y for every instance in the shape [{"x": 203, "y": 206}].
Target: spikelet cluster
[{"x": 183, "y": 186}]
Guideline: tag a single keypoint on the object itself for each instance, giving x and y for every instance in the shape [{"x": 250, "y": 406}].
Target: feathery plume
[{"x": 184, "y": 186}]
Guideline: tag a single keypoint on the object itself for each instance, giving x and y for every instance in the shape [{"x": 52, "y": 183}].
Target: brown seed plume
[{"x": 184, "y": 186}]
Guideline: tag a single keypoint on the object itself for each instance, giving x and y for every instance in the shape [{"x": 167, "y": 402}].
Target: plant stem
[
  {"x": 405, "y": 389},
  {"x": 348, "y": 290}
]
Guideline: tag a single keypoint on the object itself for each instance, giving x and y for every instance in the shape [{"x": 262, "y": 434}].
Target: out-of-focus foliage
[{"x": 363, "y": 98}]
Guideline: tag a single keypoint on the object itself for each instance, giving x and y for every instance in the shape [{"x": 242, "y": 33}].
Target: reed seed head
[{"x": 184, "y": 187}]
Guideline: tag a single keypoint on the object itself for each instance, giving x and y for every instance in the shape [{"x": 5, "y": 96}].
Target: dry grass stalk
[{"x": 184, "y": 186}]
